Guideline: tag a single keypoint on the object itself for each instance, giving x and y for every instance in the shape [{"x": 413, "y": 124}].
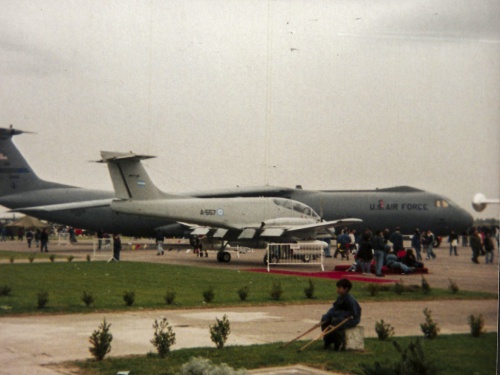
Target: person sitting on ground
[
  {"x": 391, "y": 261},
  {"x": 345, "y": 307},
  {"x": 411, "y": 260}
]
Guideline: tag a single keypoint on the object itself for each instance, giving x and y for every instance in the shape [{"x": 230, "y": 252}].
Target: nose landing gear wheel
[{"x": 223, "y": 257}]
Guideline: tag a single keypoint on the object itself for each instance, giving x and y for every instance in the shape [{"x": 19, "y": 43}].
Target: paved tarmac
[{"x": 25, "y": 347}]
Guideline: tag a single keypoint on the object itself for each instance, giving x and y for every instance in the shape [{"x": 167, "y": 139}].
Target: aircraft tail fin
[
  {"x": 16, "y": 175},
  {"x": 130, "y": 179}
]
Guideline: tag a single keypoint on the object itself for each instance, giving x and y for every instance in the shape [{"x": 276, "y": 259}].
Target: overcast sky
[{"x": 326, "y": 94}]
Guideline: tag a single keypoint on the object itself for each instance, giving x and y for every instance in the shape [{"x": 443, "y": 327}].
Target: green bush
[
  {"x": 372, "y": 289},
  {"x": 476, "y": 325},
  {"x": 203, "y": 366},
  {"x": 31, "y": 258},
  {"x": 309, "y": 291},
  {"x": 276, "y": 290},
  {"x": 43, "y": 299},
  {"x": 12, "y": 259},
  {"x": 453, "y": 287},
  {"x": 384, "y": 330},
  {"x": 412, "y": 362},
  {"x": 101, "y": 341},
  {"x": 52, "y": 258},
  {"x": 209, "y": 295},
  {"x": 70, "y": 258},
  {"x": 399, "y": 288},
  {"x": 170, "y": 297},
  {"x": 129, "y": 297},
  {"x": 220, "y": 331},
  {"x": 429, "y": 328},
  {"x": 87, "y": 298},
  {"x": 164, "y": 337},
  {"x": 426, "y": 288},
  {"x": 88, "y": 257},
  {"x": 243, "y": 293},
  {"x": 5, "y": 290}
]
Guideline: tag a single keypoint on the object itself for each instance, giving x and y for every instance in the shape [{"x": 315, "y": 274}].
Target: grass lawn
[
  {"x": 450, "y": 354},
  {"x": 65, "y": 283}
]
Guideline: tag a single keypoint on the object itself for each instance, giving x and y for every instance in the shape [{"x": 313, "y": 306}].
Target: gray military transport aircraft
[{"x": 21, "y": 190}]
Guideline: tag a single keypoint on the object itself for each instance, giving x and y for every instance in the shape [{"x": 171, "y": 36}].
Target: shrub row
[{"x": 163, "y": 337}]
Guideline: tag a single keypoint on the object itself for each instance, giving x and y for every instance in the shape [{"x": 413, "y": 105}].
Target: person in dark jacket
[
  {"x": 365, "y": 253},
  {"x": 44, "y": 240},
  {"x": 411, "y": 261},
  {"x": 476, "y": 245},
  {"x": 379, "y": 252},
  {"x": 117, "y": 247},
  {"x": 345, "y": 307},
  {"x": 397, "y": 241}
]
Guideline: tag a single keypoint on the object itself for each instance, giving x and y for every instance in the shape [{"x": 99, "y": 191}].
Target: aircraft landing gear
[{"x": 223, "y": 256}]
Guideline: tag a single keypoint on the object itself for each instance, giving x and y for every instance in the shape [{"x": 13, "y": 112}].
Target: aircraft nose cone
[{"x": 461, "y": 220}]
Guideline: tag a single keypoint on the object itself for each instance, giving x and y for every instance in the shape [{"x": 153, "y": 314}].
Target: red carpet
[
  {"x": 385, "y": 270},
  {"x": 326, "y": 275}
]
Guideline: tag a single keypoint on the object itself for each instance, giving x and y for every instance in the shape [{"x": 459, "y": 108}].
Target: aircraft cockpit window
[
  {"x": 296, "y": 206},
  {"x": 442, "y": 203}
]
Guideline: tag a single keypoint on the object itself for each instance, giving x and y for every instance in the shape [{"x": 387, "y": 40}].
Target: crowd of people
[{"x": 383, "y": 248}]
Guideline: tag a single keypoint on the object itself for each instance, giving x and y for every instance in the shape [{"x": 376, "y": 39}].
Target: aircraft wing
[
  {"x": 65, "y": 206},
  {"x": 323, "y": 225}
]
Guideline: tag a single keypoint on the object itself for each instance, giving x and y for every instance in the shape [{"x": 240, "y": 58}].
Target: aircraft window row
[
  {"x": 442, "y": 203},
  {"x": 295, "y": 206}
]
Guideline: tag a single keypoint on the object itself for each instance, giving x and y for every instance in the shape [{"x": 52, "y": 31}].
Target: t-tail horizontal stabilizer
[{"x": 130, "y": 179}]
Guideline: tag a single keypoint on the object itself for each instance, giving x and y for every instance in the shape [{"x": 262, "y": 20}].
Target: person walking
[{"x": 430, "y": 245}]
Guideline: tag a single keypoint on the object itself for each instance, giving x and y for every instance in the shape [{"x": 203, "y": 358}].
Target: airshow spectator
[
  {"x": 38, "y": 236},
  {"x": 343, "y": 308},
  {"x": 44, "y": 240},
  {"x": 392, "y": 262},
  {"x": 29, "y": 237},
  {"x": 379, "y": 250},
  {"x": 397, "y": 240},
  {"x": 429, "y": 243},
  {"x": 476, "y": 246},
  {"x": 159, "y": 242},
  {"x": 411, "y": 261},
  {"x": 489, "y": 247},
  {"x": 416, "y": 243},
  {"x": 343, "y": 242},
  {"x": 352, "y": 245},
  {"x": 365, "y": 254},
  {"x": 117, "y": 247},
  {"x": 453, "y": 241}
]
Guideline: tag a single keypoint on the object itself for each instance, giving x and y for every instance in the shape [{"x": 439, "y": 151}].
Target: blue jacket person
[{"x": 344, "y": 307}]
